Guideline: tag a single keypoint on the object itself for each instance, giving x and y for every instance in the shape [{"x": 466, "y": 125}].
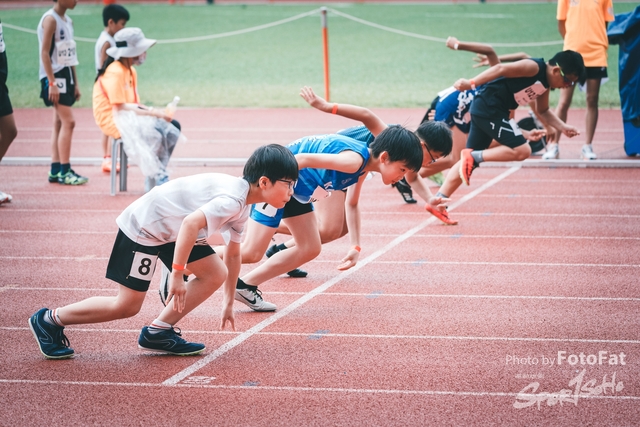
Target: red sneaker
[
  {"x": 441, "y": 215},
  {"x": 467, "y": 165}
]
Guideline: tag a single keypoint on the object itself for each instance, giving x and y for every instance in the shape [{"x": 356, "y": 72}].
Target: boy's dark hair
[
  {"x": 570, "y": 62},
  {"x": 115, "y": 12},
  {"x": 401, "y": 144},
  {"x": 273, "y": 161},
  {"x": 436, "y": 135}
]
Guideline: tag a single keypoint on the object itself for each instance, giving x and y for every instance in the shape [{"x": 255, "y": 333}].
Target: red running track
[{"x": 436, "y": 325}]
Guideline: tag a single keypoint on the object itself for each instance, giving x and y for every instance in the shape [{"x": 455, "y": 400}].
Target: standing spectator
[
  {"x": 60, "y": 87},
  {"x": 114, "y": 18},
  {"x": 583, "y": 26},
  {"x": 8, "y": 131}
]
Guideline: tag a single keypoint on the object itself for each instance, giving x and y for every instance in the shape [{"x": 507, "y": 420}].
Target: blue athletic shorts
[
  {"x": 132, "y": 265},
  {"x": 267, "y": 215}
]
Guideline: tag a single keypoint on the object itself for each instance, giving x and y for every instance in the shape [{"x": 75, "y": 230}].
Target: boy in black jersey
[{"x": 504, "y": 88}]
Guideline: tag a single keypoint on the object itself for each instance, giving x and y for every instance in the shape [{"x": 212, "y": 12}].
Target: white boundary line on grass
[
  {"x": 304, "y": 15},
  {"x": 174, "y": 380}
]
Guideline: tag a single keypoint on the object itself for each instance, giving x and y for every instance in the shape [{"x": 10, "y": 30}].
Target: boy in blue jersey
[
  {"x": 328, "y": 164},
  {"x": 435, "y": 138},
  {"x": 504, "y": 88}
]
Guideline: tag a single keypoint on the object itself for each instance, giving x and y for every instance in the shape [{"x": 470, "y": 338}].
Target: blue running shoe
[
  {"x": 51, "y": 339},
  {"x": 168, "y": 341}
]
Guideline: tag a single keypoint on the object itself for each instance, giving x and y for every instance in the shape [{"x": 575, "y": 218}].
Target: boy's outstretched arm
[
  {"x": 421, "y": 188},
  {"x": 346, "y": 161},
  {"x": 187, "y": 236},
  {"x": 483, "y": 61},
  {"x": 361, "y": 114},
  {"x": 233, "y": 261},
  {"x": 352, "y": 215},
  {"x": 479, "y": 48},
  {"x": 524, "y": 68},
  {"x": 543, "y": 110}
]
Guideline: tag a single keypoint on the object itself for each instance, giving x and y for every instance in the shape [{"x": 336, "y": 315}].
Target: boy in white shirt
[
  {"x": 115, "y": 18},
  {"x": 172, "y": 222}
]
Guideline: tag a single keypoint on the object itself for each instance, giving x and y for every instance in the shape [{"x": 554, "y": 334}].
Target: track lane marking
[
  {"x": 175, "y": 379},
  {"x": 366, "y": 336},
  {"x": 311, "y": 389}
]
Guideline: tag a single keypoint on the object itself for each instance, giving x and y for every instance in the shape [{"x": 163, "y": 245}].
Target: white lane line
[
  {"x": 316, "y": 389},
  {"x": 320, "y": 289},
  {"x": 516, "y": 236},
  {"x": 419, "y": 262},
  {"x": 57, "y": 258},
  {"x": 528, "y": 264},
  {"x": 368, "y": 294},
  {"x": 369, "y": 336},
  {"x": 492, "y": 213}
]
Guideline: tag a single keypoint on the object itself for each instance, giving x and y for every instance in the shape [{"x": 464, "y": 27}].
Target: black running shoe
[
  {"x": 405, "y": 191},
  {"x": 296, "y": 272}
]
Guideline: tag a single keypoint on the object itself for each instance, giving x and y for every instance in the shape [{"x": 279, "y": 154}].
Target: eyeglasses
[
  {"x": 291, "y": 184},
  {"x": 433, "y": 159},
  {"x": 566, "y": 79}
]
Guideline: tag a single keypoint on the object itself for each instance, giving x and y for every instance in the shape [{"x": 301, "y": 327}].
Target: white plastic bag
[{"x": 148, "y": 142}]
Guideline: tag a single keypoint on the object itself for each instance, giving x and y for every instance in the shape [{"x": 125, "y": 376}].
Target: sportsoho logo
[{"x": 605, "y": 382}]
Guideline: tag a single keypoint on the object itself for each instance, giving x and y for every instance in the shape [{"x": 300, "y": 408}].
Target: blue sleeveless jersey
[
  {"x": 359, "y": 133},
  {"x": 309, "y": 179},
  {"x": 452, "y": 106}
]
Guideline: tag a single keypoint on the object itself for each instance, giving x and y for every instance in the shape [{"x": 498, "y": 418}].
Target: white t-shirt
[
  {"x": 155, "y": 218},
  {"x": 63, "y": 53},
  {"x": 104, "y": 38}
]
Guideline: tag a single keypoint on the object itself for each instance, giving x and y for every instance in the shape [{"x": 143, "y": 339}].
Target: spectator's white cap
[{"x": 130, "y": 43}]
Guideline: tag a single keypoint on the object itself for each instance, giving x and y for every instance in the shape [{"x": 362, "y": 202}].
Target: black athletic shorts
[
  {"x": 132, "y": 265},
  {"x": 503, "y": 130},
  {"x": 5, "y": 102},
  {"x": 295, "y": 208},
  {"x": 66, "y": 85},
  {"x": 596, "y": 72}
]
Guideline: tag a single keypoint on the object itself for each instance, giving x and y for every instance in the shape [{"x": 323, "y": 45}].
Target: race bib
[
  {"x": 528, "y": 94},
  {"x": 66, "y": 55},
  {"x": 143, "y": 266},
  {"x": 266, "y": 209},
  {"x": 2, "y": 45},
  {"x": 62, "y": 85}
]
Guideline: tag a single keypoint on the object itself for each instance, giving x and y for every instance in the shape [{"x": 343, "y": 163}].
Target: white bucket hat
[{"x": 130, "y": 43}]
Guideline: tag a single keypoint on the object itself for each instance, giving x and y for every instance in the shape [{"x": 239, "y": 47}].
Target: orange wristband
[
  {"x": 473, "y": 84},
  {"x": 357, "y": 248},
  {"x": 335, "y": 109},
  {"x": 51, "y": 84},
  {"x": 177, "y": 267}
]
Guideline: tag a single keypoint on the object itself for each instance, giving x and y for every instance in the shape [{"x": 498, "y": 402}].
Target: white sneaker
[
  {"x": 253, "y": 299},
  {"x": 553, "y": 152},
  {"x": 587, "y": 152},
  {"x": 5, "y": 198}
]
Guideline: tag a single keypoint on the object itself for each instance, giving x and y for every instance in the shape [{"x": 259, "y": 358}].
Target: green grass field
[{"x": 369, "y": 66}]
